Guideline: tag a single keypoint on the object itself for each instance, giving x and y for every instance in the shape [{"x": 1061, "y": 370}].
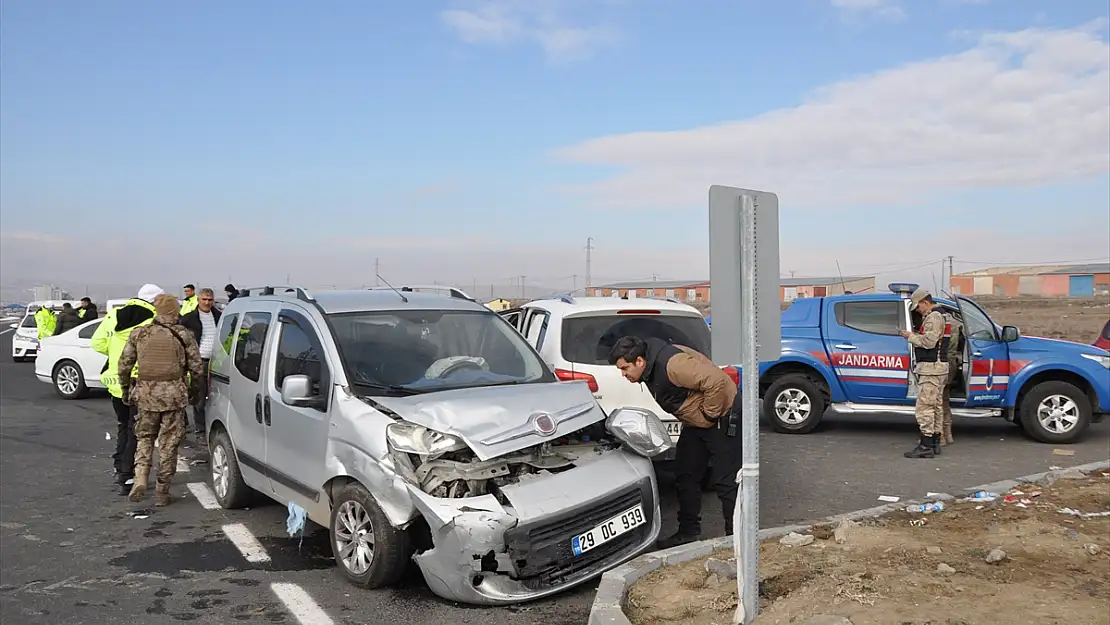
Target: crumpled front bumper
[{"x": 489, "y": 554}]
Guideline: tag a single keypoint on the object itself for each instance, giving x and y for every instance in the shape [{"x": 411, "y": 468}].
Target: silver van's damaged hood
[{"x": 496, "y": 420}]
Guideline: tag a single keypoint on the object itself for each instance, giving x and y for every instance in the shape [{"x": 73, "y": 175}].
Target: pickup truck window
[
  {"x": 871, "y": 317},
  {"x": 977, "y": 325}
]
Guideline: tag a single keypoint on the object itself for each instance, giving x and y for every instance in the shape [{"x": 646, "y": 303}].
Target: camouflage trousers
[
  {"x": 169, "y": 428},
  {"x": 946, "y": 403},
  {"x": 929, "y": 409}
]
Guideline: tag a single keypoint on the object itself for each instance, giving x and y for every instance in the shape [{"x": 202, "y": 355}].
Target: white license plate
[
  {"x": 626, "y": 521},
  {"x": 674, "y": 428}
]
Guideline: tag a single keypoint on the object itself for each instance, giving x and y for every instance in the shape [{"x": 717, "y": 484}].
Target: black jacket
[
  {"x": 191, "y": 321},
  {"x": 90, "y": 314},
  {"x": 67, "y": 320}
]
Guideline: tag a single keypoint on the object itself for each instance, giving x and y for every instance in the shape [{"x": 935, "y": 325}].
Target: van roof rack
[
  {"x": 278, "y": 289},
  {"x": 413, "y": 288}
]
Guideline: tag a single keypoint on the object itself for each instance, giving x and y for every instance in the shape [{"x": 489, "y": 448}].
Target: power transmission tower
[
  {"x": 377, "y": 266},
  {"x": 522, "y": 296},
  {"x": 589, "y": 261}
]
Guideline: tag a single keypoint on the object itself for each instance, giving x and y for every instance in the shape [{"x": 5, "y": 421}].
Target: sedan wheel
[{"x": 68, "y": 381}]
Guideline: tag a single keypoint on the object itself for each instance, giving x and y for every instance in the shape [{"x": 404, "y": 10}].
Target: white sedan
[{"x": 69, "y": 363}]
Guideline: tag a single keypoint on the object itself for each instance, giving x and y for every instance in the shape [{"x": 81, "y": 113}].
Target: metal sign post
[{"x": 744, "y": 277}]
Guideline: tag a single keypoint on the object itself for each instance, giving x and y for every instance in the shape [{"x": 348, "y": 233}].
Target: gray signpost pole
[{"x": 744, "y": 276}]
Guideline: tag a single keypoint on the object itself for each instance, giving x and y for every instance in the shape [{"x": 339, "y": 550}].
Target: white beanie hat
[{"x": 149, "y": 292}]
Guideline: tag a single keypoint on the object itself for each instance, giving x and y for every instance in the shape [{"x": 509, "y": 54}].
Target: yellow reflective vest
[
  {"x": 106, "y": 340},
  {"x": 45, "y": 321},
  {"x": 188, "y": 306}
]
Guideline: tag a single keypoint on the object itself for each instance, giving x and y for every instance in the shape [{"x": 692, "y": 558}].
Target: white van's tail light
[{"x": 572, "y": 376}]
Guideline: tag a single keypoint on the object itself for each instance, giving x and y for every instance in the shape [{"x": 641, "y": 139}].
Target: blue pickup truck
[{"x": 845, "y": 354}]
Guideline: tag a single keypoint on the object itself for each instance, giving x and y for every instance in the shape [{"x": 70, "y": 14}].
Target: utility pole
[
  {"x": 574, "y": 283},
  {"x": 589, "y": 261},
  {"x": 522, "y": 296},
  {"x": 950, "y": 275},
  {"x": 792, "y": 274},
  {"x": 377, "y": 267}
]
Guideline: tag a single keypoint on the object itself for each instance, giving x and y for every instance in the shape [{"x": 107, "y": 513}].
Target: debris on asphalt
[
  {"x": 1063, "y": 452},
  {"x": 982, "y": 496},
  {"x": 889, "y": 498},
  {"x": 294, "y": 524},
  {"x": 1054, "y": 468},
  {"x": 926, "y": 508},
  {"x": 107, "y": 436},
  {"x": 996, "y": 555},
  {"x": 794, "y": 539}
]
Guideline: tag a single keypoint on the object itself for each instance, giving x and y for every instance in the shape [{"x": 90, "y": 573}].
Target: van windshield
[{"x": 433, "y": 350}]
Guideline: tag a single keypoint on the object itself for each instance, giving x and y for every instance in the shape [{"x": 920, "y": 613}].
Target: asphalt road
[{"x": 73, "y": 552}]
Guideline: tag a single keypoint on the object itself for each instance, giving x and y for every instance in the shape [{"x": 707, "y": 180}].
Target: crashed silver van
[{"x": 423, "y": 428}]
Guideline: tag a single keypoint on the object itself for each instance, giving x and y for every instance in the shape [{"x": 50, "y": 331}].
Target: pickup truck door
[
  {"x": 990, "y": 357},
  {"x": 866, "y": 349}
]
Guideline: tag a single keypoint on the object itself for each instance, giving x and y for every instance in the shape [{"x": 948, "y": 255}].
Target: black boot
[
  {"x": 924, "y": 448},
  {"x": 936, "y": 444},
  {"x": 125, "y": 487},
  {"x": 676, "y": 539}
]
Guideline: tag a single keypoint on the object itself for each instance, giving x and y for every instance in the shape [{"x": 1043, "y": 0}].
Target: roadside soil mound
[{"x": 1039, "y": 554}]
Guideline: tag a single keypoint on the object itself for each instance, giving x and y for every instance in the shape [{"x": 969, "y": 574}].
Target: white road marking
[
  {"x": 247, "y": 544},
  {"x": 182, "y": 465},
  {"x": 302, "y": 606},
  {"x": 203, "y": 494},
  {"x": 3, "y": 332}
]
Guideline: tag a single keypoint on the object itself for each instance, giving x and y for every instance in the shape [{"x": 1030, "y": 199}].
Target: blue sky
[{"x": 337, "y": 132}]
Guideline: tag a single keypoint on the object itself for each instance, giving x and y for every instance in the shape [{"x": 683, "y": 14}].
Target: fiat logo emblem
[{"x": 543, "y": 423}]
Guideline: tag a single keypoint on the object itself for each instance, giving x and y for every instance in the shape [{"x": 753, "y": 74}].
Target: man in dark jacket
[
  {"x": 231, "y": 292},
  {"x": 687, "y": 384},
  {"x": 87, "y": 311},
  {"x": 67, "y": 320},
  {"x": 202, "y": 322}
]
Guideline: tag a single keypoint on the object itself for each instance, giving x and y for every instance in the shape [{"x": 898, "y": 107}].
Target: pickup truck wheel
[
  {"x": 370, "y": 552},
  {"x": 793, "y": 404},
  {"x": 1055, "y": 412}
]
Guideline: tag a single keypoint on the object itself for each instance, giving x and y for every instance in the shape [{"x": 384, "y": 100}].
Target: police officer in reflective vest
[{"x": 930, "y": 350}]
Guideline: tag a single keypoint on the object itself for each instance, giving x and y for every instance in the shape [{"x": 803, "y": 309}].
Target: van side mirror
[
  {"x": 14, "y": 326},
  {"x": 1010, "y": 334},
  {"x": 296, "y": 390}
]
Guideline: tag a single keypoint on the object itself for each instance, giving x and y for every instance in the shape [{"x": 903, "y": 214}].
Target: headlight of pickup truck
[
  {"x": 1102, "y": 360},
  {"x": 639, "y": 429}
]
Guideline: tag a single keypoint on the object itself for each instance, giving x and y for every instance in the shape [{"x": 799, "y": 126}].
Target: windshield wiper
[{"x": 388, "y": 388}]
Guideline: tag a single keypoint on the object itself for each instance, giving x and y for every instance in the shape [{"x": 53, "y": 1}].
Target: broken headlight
[
  {"x": 415, "y": 439},
  {"x": 640, "y": 430}
]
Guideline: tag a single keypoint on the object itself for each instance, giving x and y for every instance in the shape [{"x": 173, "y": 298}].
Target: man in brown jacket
[
  {"x": 166, "y": 353},
  {"x": 687, "y": 384}
]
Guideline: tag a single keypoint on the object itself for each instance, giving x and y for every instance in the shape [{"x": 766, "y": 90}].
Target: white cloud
[
  {"x": 541, "y": 22},
  {"x": 886, "y": 9},
  {"x": 1021, "y": 108}
]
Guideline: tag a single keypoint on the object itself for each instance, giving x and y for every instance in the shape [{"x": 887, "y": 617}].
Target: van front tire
[{"x": 369, "y": 551}]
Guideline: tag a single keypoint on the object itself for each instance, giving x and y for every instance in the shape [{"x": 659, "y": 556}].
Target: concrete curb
[{"x": 612, "y": 592}]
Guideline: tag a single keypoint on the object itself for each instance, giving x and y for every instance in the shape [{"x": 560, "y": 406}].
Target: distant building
[
  {"x": 499, "y": 304},
  {"x": 1040, "y": 280},
  {"x": 790, "y": 289},
  {"x": 49, "y": 292}
]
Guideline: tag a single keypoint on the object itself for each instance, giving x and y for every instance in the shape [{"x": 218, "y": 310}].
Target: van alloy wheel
[
  {"x": 354, "y": 537},
  {"x": 1058, "y": 414},
  {"x": 220, "y": 471}
]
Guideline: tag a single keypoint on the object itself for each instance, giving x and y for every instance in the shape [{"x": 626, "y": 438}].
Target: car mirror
[
  {"x": 1010, "y": 334},
  {"x": 296, "y": 390},
  {"x": 14, "y": 326}
]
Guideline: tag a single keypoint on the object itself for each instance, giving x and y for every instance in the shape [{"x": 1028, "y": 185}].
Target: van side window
[
  {"x": 299, "y": 353},
  {"x": 227, "y": 332},
  {"x": 252, "y": 339}
]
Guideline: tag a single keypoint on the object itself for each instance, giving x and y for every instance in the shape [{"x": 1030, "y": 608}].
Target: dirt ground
[
  {"x": 889, "y": 571},
  {"x": 1077, "y": 319}
]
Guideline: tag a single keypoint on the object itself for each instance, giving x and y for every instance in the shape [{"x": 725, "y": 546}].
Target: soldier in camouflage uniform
[
  {"x": 930, "y": 348},
  {"x": 954, "y": 329},
  {"x": 166, "y": 353}
]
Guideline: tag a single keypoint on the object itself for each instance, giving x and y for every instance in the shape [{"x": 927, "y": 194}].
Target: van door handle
[
  {"x": 258, "y": 408},
  {"x": 266, "y": 411},
  {"x": 847, "y": 347},
  {"x": 976, "y": 353}
]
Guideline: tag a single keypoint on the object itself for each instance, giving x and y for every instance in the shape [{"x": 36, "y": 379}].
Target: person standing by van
[
  {"x": 203, "y": 322},
  {"x": 166, "y": 354}
]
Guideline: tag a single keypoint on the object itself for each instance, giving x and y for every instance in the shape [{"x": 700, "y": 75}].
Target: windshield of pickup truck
[
  {"x": 588, "y": 340},
  {"x": 433, "y": 350}
]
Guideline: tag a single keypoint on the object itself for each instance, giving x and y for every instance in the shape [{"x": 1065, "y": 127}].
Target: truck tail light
[
  {"x": 733, "y": 374},
  {"x": 571, "y": 376}
]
